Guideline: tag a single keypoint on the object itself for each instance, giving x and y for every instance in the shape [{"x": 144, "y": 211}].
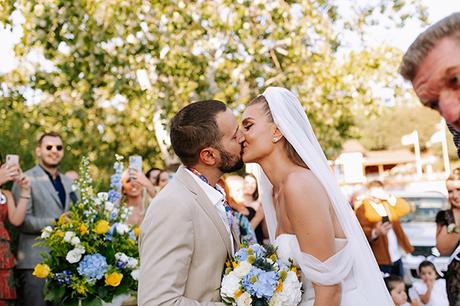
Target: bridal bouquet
[
  {"x": 93, "y": 254},
  {"x": 256, "y": 276}
]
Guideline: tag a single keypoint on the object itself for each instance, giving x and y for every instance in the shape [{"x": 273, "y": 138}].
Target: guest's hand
[
  {"x": 9, "y": 172},
  {"x": 23, "y": 181},
  {"x": 382, "y": 228},
  {"x": 143, "y": 181}
]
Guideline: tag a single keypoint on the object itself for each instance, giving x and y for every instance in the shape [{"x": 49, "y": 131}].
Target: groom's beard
[{"x": 230, "y": 163}]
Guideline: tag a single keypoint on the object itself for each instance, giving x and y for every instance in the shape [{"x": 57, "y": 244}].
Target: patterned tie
[{"x": 228, "y": 210}]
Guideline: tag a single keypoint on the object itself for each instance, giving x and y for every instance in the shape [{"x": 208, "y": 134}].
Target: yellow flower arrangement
[
  {"x": 102, "y": 227},
  {"x": 83, "y": 229},
  {"x": 113, "y": 279},
  {"x": 41, "y": 271}
]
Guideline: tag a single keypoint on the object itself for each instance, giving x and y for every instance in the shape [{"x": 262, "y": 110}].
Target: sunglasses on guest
[{"x": 58, "y": 147}]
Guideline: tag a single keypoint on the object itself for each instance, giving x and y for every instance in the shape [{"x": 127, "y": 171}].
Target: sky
[{"x": 401, "y": 38}]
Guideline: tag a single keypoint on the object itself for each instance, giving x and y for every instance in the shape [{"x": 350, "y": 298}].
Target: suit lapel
[
  {"x": 202, "y": 199},
  {"x": 48, "y": 185}
]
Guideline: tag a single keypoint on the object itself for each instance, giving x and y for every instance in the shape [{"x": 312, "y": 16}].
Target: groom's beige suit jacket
[{"x": 183, "y": 247}]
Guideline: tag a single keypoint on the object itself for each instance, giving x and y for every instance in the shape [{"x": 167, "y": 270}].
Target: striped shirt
[{"x": 456, "y": 135}]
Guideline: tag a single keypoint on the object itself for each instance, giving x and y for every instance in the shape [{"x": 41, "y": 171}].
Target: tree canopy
[{"x": 99, "y": 72}]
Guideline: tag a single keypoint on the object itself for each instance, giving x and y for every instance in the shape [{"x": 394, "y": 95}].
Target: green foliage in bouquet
[{"x": 93, "y": 254}]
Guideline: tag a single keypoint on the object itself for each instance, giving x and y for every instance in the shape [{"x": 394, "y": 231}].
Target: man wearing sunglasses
[{"x": 51, "y": 195}]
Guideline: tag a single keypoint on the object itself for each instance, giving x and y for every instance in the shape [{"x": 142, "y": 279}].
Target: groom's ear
[{"x": 208, "y": 156}]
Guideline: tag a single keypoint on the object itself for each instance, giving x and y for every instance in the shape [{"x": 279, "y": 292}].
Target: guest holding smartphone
[
  {"x": 379, "y": 216},
  {"x": 13, "y": 213}
]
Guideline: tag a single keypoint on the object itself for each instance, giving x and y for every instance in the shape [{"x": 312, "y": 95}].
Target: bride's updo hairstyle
[{"x": 291, "y": 152}]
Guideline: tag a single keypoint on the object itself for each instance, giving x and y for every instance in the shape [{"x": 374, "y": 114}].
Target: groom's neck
[{"x": 211, "y": 174}]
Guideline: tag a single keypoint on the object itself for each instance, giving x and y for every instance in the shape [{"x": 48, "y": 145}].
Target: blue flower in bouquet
[
  {"x": 260, "y": 283},
  {"x": 242, "y": 254},
  {"x": 63, "y": 277},
  {"x": 259, "y": 251},
  {"x": 114, "y": 196},
  {"x": 93, "y": 266}
]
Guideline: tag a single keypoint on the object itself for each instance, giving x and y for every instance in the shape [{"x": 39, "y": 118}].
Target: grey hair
[{"x": 426, "y": 41}]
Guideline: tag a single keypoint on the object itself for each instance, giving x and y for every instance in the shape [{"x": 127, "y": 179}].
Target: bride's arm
[{"x": 307, "y": 206}]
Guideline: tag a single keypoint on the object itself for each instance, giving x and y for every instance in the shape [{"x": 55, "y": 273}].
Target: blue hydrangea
[
  {"x": 259, "y": 251},
  {"x": 63, "y": 277},
  {"x": 132, "y": 235},
  {"x": 114, "y": 196},
  {"x": 260, "y": 283},
  {"x": 93, "y": 266},
  {"x": 242, "y": 254}
]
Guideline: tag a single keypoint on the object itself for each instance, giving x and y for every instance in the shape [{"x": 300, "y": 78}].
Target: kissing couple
[{"x": 187, "y": 235}]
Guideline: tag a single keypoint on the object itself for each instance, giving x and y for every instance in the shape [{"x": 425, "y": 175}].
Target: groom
[{"x": 186, "y": 235}]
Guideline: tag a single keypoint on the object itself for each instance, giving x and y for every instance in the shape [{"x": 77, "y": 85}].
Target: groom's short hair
[{"x": 194, "y": 128}]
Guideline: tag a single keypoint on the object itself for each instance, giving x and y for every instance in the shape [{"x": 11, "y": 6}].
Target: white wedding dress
[
  {"x": 353, "y": 265},
  {"x": 337, "y": 269}
]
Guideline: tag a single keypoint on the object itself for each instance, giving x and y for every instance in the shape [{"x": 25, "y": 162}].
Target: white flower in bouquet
[
  {"x": 121, "y": 257},
  {"x": 132, "y": 263},
  {"x": 291, "y": 293},
  {"x": 103, "y": 196},
  {"x": 122, "y": 228},
  {"x": 135, "y": 274},
  {"x": 243, "y": 268},
  {"x": 230, "y": 285},
  {"x": 68, "y": 236},
  {"x": 244, "y": 300},
  {"x": 74, "y": 256},
  {"x": 108, "y": 206},
  {"x": 46, "y": 233},
  {"x": 75, "y": 241}
]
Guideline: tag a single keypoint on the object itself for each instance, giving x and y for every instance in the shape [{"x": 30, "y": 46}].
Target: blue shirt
[{"x": 58, "y": 186}]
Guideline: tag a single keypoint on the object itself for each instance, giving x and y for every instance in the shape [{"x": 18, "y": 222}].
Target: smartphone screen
[
  {"x": 12, "y": 159},
  {"x": 385, "y": 219},
  {"x": 135, "y": 162}
]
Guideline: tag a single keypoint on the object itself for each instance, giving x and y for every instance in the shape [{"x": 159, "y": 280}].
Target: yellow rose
[
  {"x": 63, "y": 219},
  {"x": 137, "y": 231},
  {"x": 113, "y": 279},
  {"x": 102, "y": 227},
  {"x": 41, "y": 271},
  {"x": 83, "y": 229}
]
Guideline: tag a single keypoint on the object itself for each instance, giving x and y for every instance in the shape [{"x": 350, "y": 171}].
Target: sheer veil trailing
[{"x": 292, "y": 121}]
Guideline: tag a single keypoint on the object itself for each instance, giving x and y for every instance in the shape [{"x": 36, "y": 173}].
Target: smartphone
[
  {"x": 12, "y": 159},
  {"x": 385, "y": 219},
  {"x": 135, "y": 162}
]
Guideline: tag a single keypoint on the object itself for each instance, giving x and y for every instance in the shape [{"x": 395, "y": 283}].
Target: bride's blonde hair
[{"x": 291, "y": 152}]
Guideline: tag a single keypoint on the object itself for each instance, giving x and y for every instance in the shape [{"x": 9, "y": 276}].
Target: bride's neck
[{"x": 277, "y": 166}]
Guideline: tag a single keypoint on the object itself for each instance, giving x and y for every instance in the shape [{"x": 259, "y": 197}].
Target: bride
[{"x": 308, "y": 217}]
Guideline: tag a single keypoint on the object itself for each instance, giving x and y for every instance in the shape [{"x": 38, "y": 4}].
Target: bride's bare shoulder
[{"x": 303, "y": 186}]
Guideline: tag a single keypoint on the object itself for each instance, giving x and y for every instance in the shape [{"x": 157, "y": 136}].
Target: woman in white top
[{"x": 307, "y": 215}]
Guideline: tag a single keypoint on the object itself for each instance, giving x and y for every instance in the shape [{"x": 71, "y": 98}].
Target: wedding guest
[
  {"x": 152, "y": 175},
  {"x": 397, "y": 289},
  {"x": 13, "y": 212},
  {"x": 379, "y": 216},
  {"x": 432, "y": 65},
  {"x": 448, "y": 237},
  {"x": 252, "y": 202},
  {"x": 431, "y": 289},
  {"x": 243, "y": 227},
  {"x": 134, "y": 184},
  {"x": 163, "y": 179},
  {"x": 51, "y": 196}
]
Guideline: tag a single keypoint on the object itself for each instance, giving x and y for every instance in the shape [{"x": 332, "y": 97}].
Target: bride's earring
[{"x": 274, "y": 139}]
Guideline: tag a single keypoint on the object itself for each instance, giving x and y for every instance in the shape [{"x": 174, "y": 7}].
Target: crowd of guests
[{"x": 42, "y": 194}]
